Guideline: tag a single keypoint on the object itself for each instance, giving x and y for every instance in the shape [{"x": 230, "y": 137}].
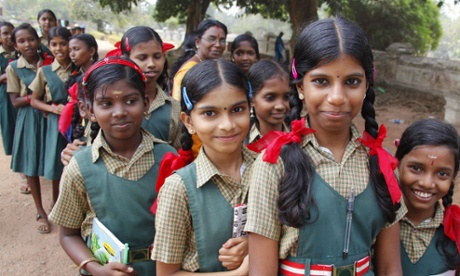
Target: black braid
[
  {"x": 380, "y": 185},
  {"x": 186, "y": 139},
  {"x": 94, "y": 130},
  {"x": 77, "y": 129}
]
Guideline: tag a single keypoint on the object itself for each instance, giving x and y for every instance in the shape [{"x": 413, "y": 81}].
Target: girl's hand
[
  {"x": 67, "y": 153},
  {"x": 243, "y": 270},
  {"x": 233, "y": 252},
  {"x": 115, "y": 269},
  {"x": 57, "y": 109}
]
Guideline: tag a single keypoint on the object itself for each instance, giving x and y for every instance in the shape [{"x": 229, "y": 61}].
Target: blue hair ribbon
[
  {"x": 250, "y": 90},
  {"x": 187, "y": 101}
]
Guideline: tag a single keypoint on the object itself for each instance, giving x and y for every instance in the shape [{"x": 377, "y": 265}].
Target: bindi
[
  {"x": 225, "y": 108},
  {"x": 432, "y": 157},
  {"x": 117, "y": 93},
  {"x": 338, "y": 77}
]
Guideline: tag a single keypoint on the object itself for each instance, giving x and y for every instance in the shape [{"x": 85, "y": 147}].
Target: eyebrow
[
  {"x": 130, "y": 94},
  {"x": 356, "y": 74},
  {"x": 215, "y": 107}
]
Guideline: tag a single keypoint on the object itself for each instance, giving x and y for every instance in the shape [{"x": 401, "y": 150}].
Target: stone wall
[{"x": 397, "y": 67}]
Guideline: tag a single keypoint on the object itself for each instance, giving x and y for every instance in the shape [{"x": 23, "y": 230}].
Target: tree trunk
[
  {"x": 195, "y": 13},
  {"x": 300, "y": 12}
]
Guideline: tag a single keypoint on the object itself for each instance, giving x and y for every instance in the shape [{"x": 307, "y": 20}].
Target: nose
[
  {"x": 337, "y": 94},
  {"x": 226, "y": 123},
  {"x": 427, "y": 181},
  {"x": 281, "y": 105},
  {"x": 150, "y": 63},
  {"x": 118, "y": 111}
]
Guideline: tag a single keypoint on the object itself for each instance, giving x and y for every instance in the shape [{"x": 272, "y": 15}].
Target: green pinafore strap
[
  {"x": 212, "y": 218},
  {"x": 159, "y": 121}
]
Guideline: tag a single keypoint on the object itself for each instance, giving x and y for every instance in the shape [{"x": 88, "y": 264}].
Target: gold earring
[
  {"x": 301, "y": 96},
  {"x": 191, "y": 131},
  {"x": 93, "y": 118}
]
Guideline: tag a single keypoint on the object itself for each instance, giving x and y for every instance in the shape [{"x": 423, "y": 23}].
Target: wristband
[
  {"x": 27, "y": 98},
  {"x": 92, "y": 259}
]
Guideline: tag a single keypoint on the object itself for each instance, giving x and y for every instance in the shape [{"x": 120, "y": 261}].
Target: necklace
[{"x": 198, "y": 57}]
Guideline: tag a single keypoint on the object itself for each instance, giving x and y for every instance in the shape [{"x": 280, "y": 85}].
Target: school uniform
[
  {"x": 255, "y": 135},
  {"x": 195, "y": 213},
  {"x": 49, "y": 84},
  {"x": 29, "y": 135},
  {"x": 162, "y": 119},
  {"x": 321, "y": 240},
  {"x": 421, "y": 253},
  {"x": 119, "y": 191},
  {"x": 7, "y": 111}
]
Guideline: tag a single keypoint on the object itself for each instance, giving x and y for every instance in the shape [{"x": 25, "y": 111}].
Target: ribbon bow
[
  {"x": 170, "y": 163},
  {"x": 117, "y": 51},
  {"x": 452, "y": 224},
  {"x": 47, "y": 59},
  {"x": 273, "y": 141},
  {"x": 67, "y": 113},
  {"x": 387, "y": 162}
]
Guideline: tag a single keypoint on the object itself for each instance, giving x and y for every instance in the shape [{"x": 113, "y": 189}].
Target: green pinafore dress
[
  {"x": 7, "y": 112},
  {"x": 29, "y": 135},
  {"x": 212, "y": 218},
  {"x": 122, "y": 205},
  {"x": 158, "y": 122},
  {"x": 432, "y": 262},
  {"x": 321, "y": 239},
  {"x": 55, "y": 142}
]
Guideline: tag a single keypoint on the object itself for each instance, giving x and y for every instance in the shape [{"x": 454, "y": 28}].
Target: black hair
[
  {"x": 6, "y": 23},
  {"x": 202, "y": 79},
  {"x": 42, "y": 12},
  {"x": 189, "y": 51},
  {"x": 245, "y": 37},
  {"x": 433, "y": 132},
  {"x": 260, "y": 72},
  {"x": 141, "y": 34},
  {"x": 90, "y": 42},
  {"x": 319, "y": 43},
  {"x": 104, "y": 76},
  {"x": 207, "y": 24},
  {"x": 77, "y": 129},
  {"x": 59, "y": 31}
]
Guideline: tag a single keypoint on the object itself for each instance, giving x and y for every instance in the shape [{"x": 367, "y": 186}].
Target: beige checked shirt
[
  {"x": 416, "y": 239},
  {"x": 14, "y": 83},
  {"x": 262, "y": 213},
  {"x": 254, "y": 133},
  {"x": 73, "y": 208},
  {"x": 175, "y": 238},
  {"x": 39, "y": 84},
  {"x": 175, "y": 123}
]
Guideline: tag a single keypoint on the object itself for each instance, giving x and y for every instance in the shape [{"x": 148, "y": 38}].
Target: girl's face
[
  {"x": 212, "y": 43},
  {"x": 5, "y": 35},
  {"x": 80, "y": 53},
  {"x": 27, "y": 43},
  {"x": 244, "y": 56},
  {"x": 334, "y": 93},
  {"x": 119, "y": 110},
  {"x": 60, "y": 49},
  {"x": 150, "y": 58},
  {"x": 271, "y": 103},
  {"x": 425, "y": 176},
  {"x": 220, "y": 119},
  {"x": 46, "y": 22}
]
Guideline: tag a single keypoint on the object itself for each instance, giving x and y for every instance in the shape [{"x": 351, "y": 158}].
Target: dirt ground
[{"x": 23, "y": 251}]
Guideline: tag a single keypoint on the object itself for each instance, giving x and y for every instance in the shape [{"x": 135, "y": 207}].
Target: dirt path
[{"x": 23, "y": 251}]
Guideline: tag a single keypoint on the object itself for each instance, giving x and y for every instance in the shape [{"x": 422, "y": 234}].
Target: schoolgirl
[
  {"x": 191, "y": 236},
  {"x": 244, "y": 51},
  {"x": 29, "y": 142},
  {"x": 46, "y": 21},
  {"x": 144, "y": 46},
  {"x": 270, "y": 100},
  {"x": 112, "y": 179},
  {"x": 428, "y": 154},
  {"x": 7, "y": 111},
  {"x": 50, "y": 95},
  {"x": 318, "y": 207}
]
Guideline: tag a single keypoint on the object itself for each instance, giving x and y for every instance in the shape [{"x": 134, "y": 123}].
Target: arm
[
  {"x": 233, "y": 252},
  {"x": 18, "y": 101},
  {"x": 37, "y": 103},
  {"x": 387, "y": 251},
  {"x": 67, "y": 153},
  {"x": 264, "y": 255},
  {"x": 13, "y": 87},
  {"x": 73, "y": 244},
  {"x": 3, "y": 78}
]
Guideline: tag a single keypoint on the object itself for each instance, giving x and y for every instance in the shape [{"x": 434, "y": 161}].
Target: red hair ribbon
[
  {"x": 66, "y": 116},
  {"x": 273, "y": 141},
  {"x": 452, "y": 224},
  {"x": 170, "y": 163},
  {"x": 47, "y": 59},
  {"x": 387, "y": 162},
  {"x": 117, "y": 52}
]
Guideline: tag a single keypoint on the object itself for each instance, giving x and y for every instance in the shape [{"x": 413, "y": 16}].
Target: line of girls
[{"x": 322, "y": 174}]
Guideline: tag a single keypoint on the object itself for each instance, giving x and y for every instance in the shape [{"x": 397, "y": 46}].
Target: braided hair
[{"x": 434, "y": 133}]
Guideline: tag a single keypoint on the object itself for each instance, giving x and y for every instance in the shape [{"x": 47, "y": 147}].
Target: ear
[
  {"x": 82, "y": 109},
  {"x": 187, "y": 121},
  {"x": 146, "y": 104},
  {"x": 299, "y": 87},
  {"x": 91, "y": 114},
  {"x": 93, "y": 51},
  {"x": 197, "y": 43}
]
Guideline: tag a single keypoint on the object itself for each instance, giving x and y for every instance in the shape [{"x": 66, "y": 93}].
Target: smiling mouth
[{"x": 422, "y": 195}]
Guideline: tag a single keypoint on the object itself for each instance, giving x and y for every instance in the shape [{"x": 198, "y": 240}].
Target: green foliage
[
  {"x": 118, "y": 5},
  {"x": 275, "y": 9},
  {"x": 385, "y": 22}
]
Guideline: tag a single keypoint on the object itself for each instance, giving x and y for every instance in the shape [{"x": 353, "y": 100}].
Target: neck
[
  {"x": 33, "y": 60},
  {"x": 416, "y": 216},
  {"x": 198, "y": 57},
  {"x": 228, "y": 163},
  {"x": 9, "y": 49},
  {"x": 264, "y": 127},
  {"x": 336, "y": 142},
  {"x": 151, "y": 91},
  {"x": 86, "y": 67},
  {"x": 125, "y": 147},
  {"x": 65, "y": 63}
]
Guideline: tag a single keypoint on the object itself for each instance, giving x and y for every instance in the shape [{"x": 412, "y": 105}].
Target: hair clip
[
  {"x": 128, "y": 48},
  {"x": 294, "y": 71},
  {"x": 250, "y": 90},
  {"x": 187, "y": 101}
]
